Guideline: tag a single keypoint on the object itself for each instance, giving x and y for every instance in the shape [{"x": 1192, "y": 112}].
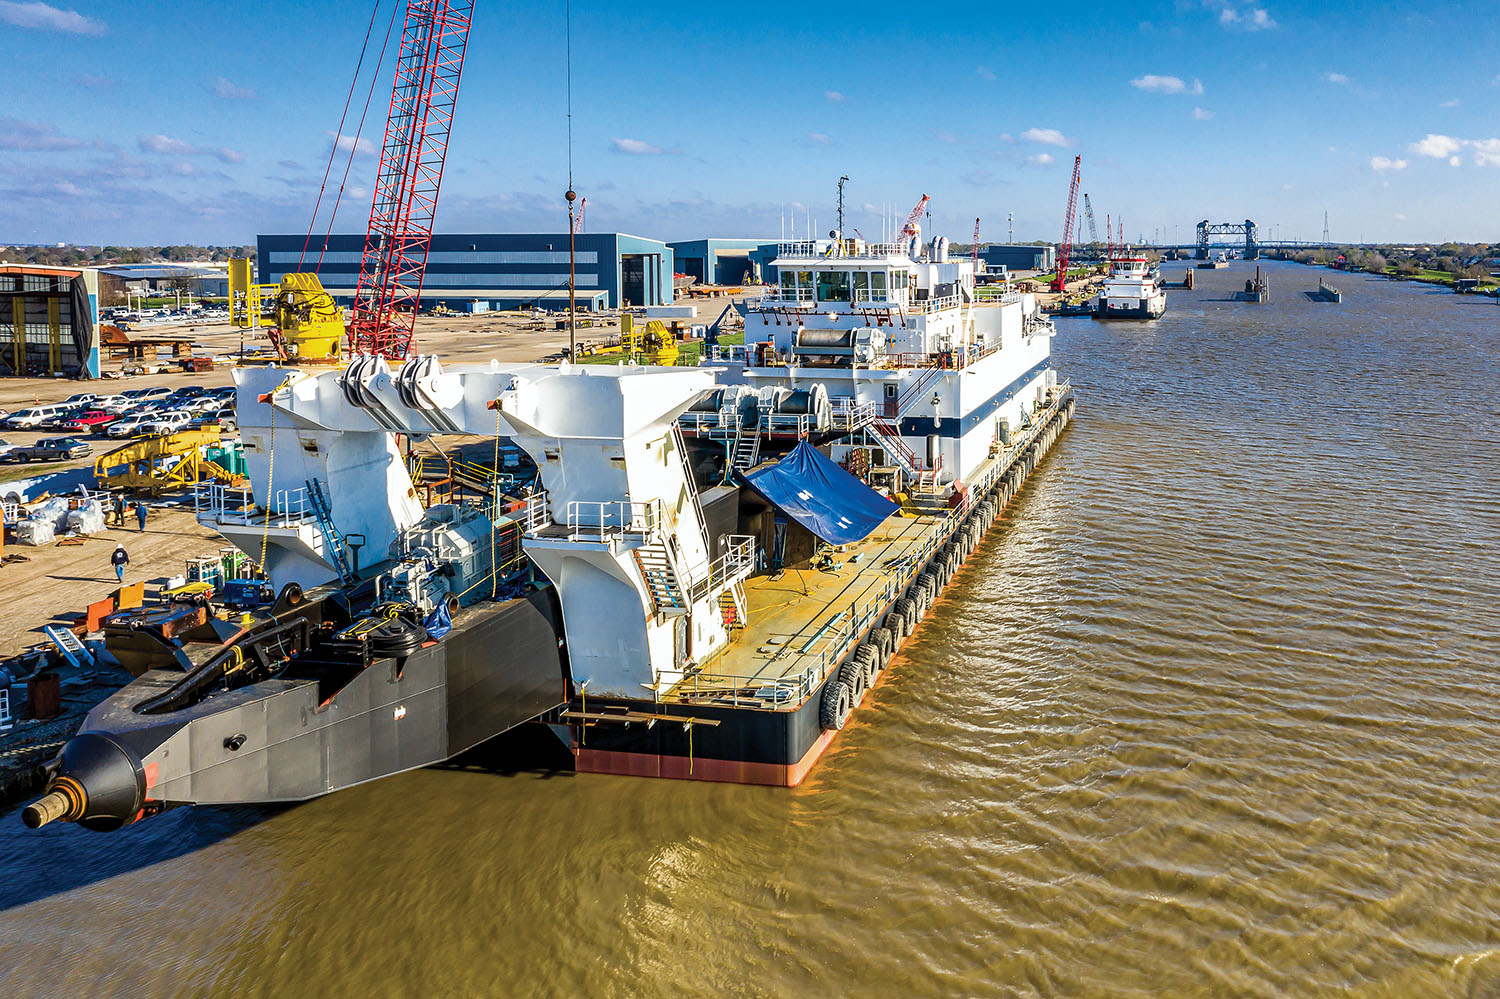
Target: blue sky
[{"x": 152, "y": 122}]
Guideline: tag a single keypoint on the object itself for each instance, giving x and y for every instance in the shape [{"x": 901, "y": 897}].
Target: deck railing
[
  {"x": 831, "y": 645},
  {"x": 236, "y": 505}
]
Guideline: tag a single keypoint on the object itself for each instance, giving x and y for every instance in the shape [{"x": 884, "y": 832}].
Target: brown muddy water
[{"x": 1213, "y": 712}]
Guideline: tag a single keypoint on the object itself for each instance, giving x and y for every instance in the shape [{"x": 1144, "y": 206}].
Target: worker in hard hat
[{"x": 120, "y": 559}]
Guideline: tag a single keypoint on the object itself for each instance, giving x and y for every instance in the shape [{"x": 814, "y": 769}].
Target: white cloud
[
  {"x": 166, "y": 146},
  {"x": 943, "y": 135},
  {"x": 45, "y": 17},
  {"x": 1241, "y": 14},
  {"x": 1151, "y": 83},
  {"x": 1449, "y": 104},
  {"x": 820, "y": 138},
  {"x": 833, "y": 96},
  {"x": 1454, "y": 161},
  {"x": 360, "y": 145},
  {"x": 1007, "y": 138},
  {"x": 1381, "y": 164},
  {"x": 1202, "y": 114},
  {"x": 1040, "y": 159},
  {"x": 635, "y": 147},
  {"x": 985, "y": 73},
  {"x": 1046, "y": 136},
  {"x": 223, "y": 88},
  {"x": 1399, "y": 217},
  {"x": 1337, "y": 78},
  {"x": 1486, "y": 152},
  {"x": 1436, "y": 146}
]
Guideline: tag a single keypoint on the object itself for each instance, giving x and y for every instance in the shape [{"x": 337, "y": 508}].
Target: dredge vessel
[{"x": 711, "y": 570}]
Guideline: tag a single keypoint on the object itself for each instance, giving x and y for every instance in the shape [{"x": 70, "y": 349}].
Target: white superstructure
[
  {"x": 917, "y": 366},
  {"x": 1132, "y": 291}
]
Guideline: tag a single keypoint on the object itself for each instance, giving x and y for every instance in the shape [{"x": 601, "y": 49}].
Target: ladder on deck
[
  {"x": 732, "y": 605},
  {"x": 71, "y": 648},
  {"x": 667, "y": 596},
  {"x": 746, "y": 449},
  {"x": 895, "y": 448},
  {"x": 333, "y": 541}
]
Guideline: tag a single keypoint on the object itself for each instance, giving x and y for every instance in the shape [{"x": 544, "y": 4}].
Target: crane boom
[
  {"x": 974, "y": 253},
  {"x": 1064, "y": 251},
  {"x": 913, "y": 224},
  {"x": 429, "y": 67},
  {"x": 1088, "y": 213}
]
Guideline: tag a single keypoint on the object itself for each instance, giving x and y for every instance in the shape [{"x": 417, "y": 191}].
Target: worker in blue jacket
[{"x": 120, "y": 559}]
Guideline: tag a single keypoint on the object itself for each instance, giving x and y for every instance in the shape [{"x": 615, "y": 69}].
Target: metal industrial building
[
  {"x": 49, "y": 321},
  {"x": 719, "y": 261},
  {"x": 1020, "y": 257},
  {"x": 496, "y": 270},
  {"x": 195, "y": 280}
]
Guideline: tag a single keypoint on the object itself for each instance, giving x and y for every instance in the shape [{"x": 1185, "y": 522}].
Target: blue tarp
[{"x": 821, "y": 496}]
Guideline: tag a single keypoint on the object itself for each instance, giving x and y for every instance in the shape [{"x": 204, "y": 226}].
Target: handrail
[{"x": 837, "y": 640}]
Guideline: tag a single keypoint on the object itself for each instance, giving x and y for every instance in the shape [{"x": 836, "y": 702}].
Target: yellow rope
[{"x": 265, "y": 534}]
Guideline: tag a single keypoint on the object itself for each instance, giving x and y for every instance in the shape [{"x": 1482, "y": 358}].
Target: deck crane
[
  {"x": 1109, "y": 239},
  {"x": 913, "y": 225},
  {"x": 1064, "y": 251},
  {"x": 974, "y": 252},
  {"x": 1088, "y": 213},
  {"x": 429, "y": 66}
]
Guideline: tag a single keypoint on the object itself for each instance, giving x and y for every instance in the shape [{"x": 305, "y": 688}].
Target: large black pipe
[{"x": 98, "y": 783}]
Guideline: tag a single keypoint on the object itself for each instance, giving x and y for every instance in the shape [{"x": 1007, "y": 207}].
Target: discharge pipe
[{"x": 98, "y": 783}]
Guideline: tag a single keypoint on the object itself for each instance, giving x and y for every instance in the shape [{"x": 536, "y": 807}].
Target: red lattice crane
[
  {"x": 429, "y": 66},
  {"x": 1065, "y": 248},
  {"x": 913, "y": 224}
]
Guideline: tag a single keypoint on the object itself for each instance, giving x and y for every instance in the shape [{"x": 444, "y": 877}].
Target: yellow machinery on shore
[
  {"x": 158, "y": 464},
  {"x": 655, "y": 342},
  {"x": 306, "y": 323}
]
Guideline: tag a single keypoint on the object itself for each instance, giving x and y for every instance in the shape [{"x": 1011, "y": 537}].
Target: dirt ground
[{"x": 55, "y": 583}]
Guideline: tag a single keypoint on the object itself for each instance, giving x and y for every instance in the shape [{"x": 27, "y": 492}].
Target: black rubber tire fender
[
  {"x": 867, "y": 658},
  {"x": 895, "y": 623},
  {"x": 837, "y": 703},
  {"x": 907, "y": 608},
  {"x": 853, "y": 674},
  {"x": 884, "y": 640}
]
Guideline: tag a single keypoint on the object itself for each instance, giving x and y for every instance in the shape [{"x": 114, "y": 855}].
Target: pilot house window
[{"x": 833, "y": 286}]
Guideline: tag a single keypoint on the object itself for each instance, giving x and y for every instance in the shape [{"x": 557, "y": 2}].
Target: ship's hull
[
  {"x": 746, "y": 745},
  {"x": 323, "y": 724}
]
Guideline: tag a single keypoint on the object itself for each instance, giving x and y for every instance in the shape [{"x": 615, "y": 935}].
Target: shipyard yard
[
  {"x": 1211, "y": 696},
  {"x": 606, "y": 536}
]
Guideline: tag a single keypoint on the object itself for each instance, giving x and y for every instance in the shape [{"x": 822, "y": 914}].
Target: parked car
[
  {"x": 223, "y": 418},
  {"x": 148, "y": 394},
  {"x": 116, "y": 404},
  {"x": 201, "y": 404},
  {"x": 187, "y": 391},
  {"x": 59, "y": 421},
  {"x": 51, "y": 449},
  {"x": 128, "y": 425},
  {"x": 79, "y": 399},
  {"x": 33, "y": 416},
  {"x": 92, "y": 421},
  {"x": 168, "y": 422},
  {"x": 6, "y": 448}
]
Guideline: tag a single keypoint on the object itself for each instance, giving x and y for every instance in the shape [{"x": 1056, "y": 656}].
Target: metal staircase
[
  {"x": 732, "y": 605},
  {"x": 889, "y": 438},
  {"x": 746, "y": 453},
  {"x": 71, "y": 648},
  {"x": 667, "y": 596},
  {"x": 333, "y": 541}
]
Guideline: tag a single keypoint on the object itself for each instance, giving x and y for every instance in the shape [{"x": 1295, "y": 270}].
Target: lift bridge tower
[{"x": 1207, "y": 230}]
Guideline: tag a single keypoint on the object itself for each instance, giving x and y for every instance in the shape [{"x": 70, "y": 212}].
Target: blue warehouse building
[
  {"x": 471, "y": 271},
  {"x": 720, "y": 261},
  {"x": 1019, "y": 257}
]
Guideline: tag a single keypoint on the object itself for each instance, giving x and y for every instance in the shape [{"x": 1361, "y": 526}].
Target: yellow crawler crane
[
  {"x": 159, "y": 464},
  {"x": 306, "y": 323}
]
